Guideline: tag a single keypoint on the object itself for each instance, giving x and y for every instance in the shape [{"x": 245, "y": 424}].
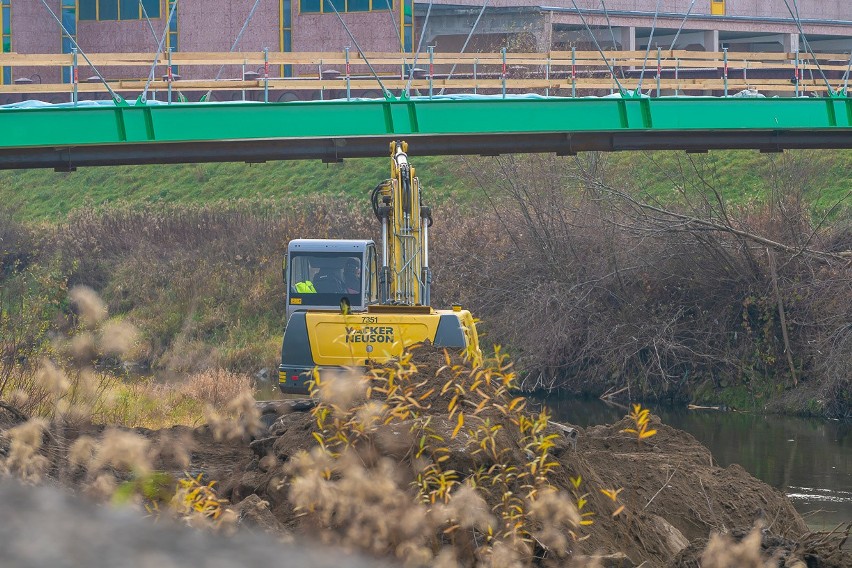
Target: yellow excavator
[{"x": 351, "y": 305}]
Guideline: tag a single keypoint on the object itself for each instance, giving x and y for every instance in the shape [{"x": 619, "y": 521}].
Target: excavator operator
[
  {"x": 328, "y": 281},
  {"x": 352, "y": 276}
]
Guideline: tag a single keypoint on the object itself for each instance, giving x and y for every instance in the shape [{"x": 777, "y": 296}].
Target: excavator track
[{"x": 271, "y": 410}]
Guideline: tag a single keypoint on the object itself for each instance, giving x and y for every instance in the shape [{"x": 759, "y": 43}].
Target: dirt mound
[
  {"x": 657, "y": 500},
  {"x": 673, "y": 488},
  {"x": 673, "y": 494}
]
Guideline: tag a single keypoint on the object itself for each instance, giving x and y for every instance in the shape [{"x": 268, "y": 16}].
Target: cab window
[{"x": 323, "y": 278}]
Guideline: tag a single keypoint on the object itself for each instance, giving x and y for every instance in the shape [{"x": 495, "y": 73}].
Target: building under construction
[{"x": 116, "y": 26}]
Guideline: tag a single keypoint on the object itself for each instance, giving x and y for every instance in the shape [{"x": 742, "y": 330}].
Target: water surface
[{"x": 810, "y": 460}]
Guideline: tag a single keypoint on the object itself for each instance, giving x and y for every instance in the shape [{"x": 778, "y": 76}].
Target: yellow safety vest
[{"x": 306, "y": 287}]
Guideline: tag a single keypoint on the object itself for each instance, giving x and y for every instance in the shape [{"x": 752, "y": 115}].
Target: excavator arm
[{"x": 405, "y": 277}]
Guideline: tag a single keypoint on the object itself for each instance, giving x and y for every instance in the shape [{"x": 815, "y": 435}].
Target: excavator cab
[{"x": 320, "y": 274}]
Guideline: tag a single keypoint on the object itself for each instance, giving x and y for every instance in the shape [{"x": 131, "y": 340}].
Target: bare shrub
[
  {"x": 192, "y": 276},
  {"x": 666, "y": 297},
  {"x": 28, "y": 300},
  {"x": 654, "y": 298}
]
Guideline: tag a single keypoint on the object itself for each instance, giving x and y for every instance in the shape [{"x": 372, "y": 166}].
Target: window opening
[
  {"x": 286, "y": 33},
  {"x": 6, "y": 38},
  {"x": 115, "y": 10},
  {"x": 325, "y": 6},
  {"x": 322, "y": 279},
  {"x": 69, "y": 20}
]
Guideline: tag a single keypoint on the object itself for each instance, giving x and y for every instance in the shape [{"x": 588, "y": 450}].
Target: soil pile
[
  {"x": 674, "y": 495},
  {"x": 657, "y": 500}
]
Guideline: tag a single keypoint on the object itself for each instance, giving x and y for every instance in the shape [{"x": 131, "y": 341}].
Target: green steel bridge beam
[{"x": 65, "y": 137}]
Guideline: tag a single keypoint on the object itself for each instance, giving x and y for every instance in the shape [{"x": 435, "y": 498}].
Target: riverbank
[
  {"x": 810, "y": 460},
  {"x": 692, "y": 298}
]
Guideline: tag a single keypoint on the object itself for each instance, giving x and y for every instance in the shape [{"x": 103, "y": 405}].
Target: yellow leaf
[
  {"x": 459, "y": 425},
  {"x": 612, "y": 494},
  {"x": 428, "y": 393},
  {"x": 587, "y": 522},
  {"x": 618, "y": 511},
  {"x": 647, "y": 434}
]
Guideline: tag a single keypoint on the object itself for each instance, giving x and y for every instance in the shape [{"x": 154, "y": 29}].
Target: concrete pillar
[
  {"x": 628, "y": 38},
  {"x": 711, "y": 40},
  {"x": 544, "y": 37},
  {"x": 790, "y": 43}
]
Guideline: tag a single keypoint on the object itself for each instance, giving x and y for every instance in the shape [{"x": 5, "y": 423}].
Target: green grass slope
[
  {"x": 823, "y": 176},
  {"x": 45, "y": 194},
  {"x": 744, "y": 175}
]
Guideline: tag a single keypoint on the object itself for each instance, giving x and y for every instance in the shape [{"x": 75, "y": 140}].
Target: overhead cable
[
  {"x": 648, "y": 51},
  {"x": 153, "y": 33},
  {"x": 396, "y": 26},
  {"x": 680, "y": 29},
  {"x": 236, "y": 41},
  {"x": 419, "y": 45},
  {"x": 466, "y": 41},
  {"x": 805, "y": 41},
  {"x": 385, "y": 92},
  {"x": 115, "y": 96},
  {"x": 621, "y": 88},
  {"x": 612, "y": 33},
  {"x": 147, "y": 19},
  {"x": 159, "y": 49},
  {"x": 394, "y": 23}
]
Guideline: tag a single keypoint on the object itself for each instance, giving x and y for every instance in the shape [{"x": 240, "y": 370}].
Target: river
[{"x": 810, "y": 460}]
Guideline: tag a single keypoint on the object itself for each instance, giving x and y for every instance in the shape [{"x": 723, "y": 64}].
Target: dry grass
[
  {"x": 114, "y": 463},
  {"x": 215, "y": 387}
]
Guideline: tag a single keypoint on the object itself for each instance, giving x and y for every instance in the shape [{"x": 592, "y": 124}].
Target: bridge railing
[{"x": 340, "y": 74}]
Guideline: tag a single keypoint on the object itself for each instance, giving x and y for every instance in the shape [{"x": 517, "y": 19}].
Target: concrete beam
[
  {"x": 837, "y": 45},
  {"x": 624, "y": 37},
  {"x": 461, "y": 24}
]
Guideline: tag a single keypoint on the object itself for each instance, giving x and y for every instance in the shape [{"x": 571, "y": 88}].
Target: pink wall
[
  {"x": 212, "y": 25},
  {"x": 34, "y": 31}
]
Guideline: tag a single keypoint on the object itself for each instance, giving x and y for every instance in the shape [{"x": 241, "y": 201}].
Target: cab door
[{"x": 370, "y": 275}]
